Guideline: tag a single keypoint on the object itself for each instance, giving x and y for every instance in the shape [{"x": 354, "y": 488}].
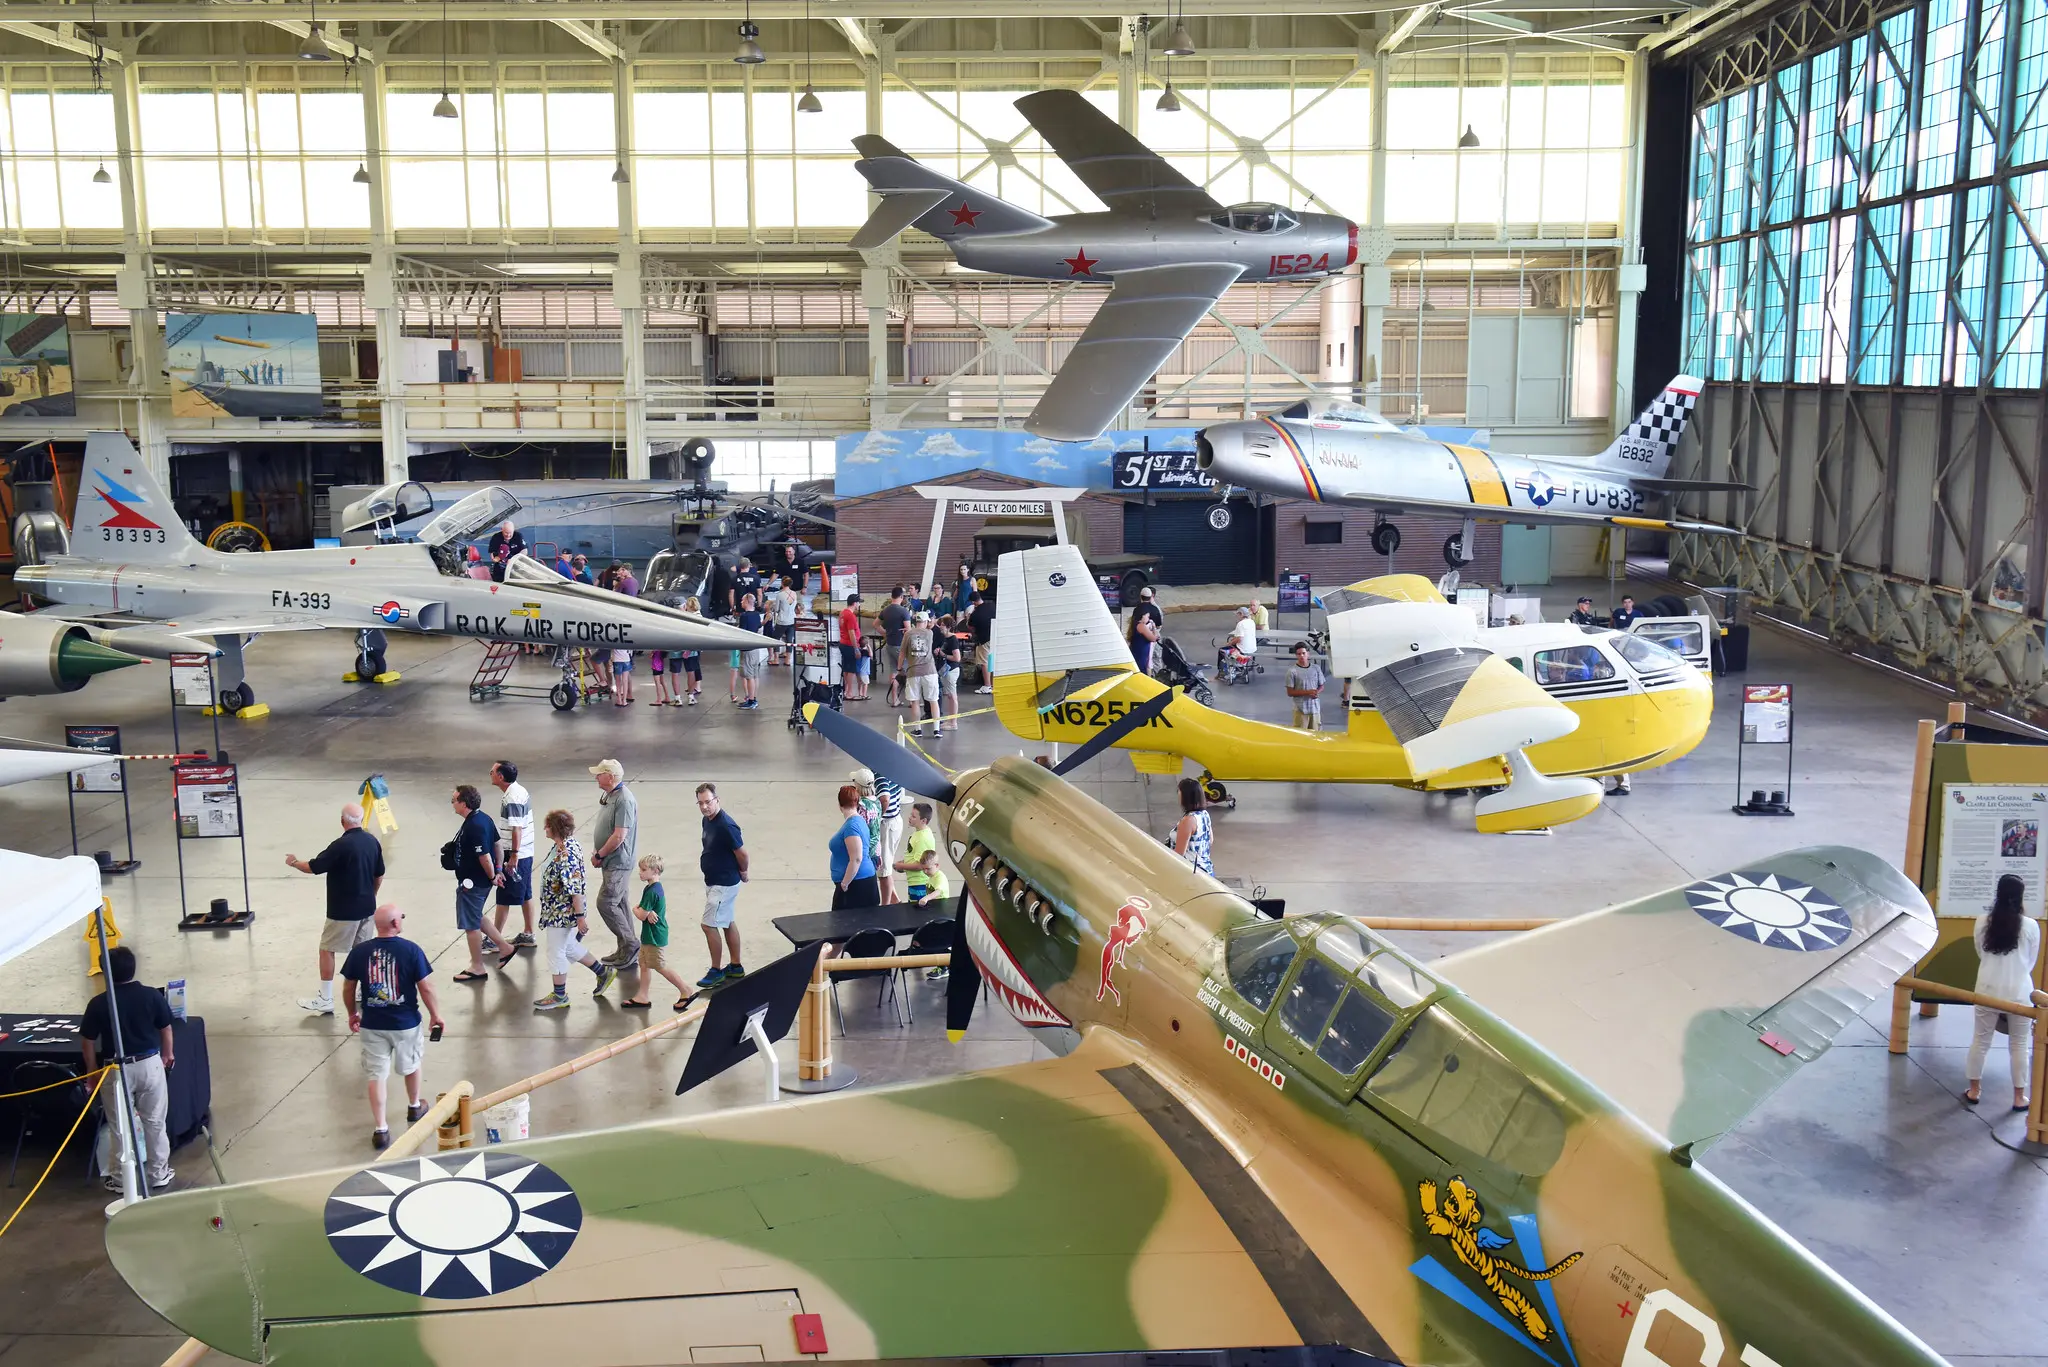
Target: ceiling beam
[
  {"x": 1512, "y": 23},
  {"x": 1411, "y": 21},
  {"x": 856, "y": 36},
  {"x": 588, "y": 35},
  {"x": 341, "y": 46},
  {"x": 1698, "y": 19},
  {"x": 64, "y": 35},
  {"x": 547, "y": 11}
]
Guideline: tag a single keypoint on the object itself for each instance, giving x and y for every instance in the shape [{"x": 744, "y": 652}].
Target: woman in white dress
[{"x": 2008, "y": 943}]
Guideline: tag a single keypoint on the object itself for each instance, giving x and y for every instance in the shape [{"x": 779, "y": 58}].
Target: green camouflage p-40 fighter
[{"x": 1261, "y": 1135}]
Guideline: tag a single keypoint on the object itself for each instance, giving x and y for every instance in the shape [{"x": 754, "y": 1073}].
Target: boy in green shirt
[
  {"x": 920, "y": 864},
  {"x": 652, "y": 913}
]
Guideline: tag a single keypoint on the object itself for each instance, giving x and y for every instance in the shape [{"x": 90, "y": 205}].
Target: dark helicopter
[{"x": 713, "y": 537}]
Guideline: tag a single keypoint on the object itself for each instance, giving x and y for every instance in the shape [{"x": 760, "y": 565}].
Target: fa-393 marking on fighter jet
[{"x": 131, "y": 561}]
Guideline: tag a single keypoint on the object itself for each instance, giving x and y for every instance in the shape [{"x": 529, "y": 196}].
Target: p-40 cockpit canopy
[{"x": 1255, "y": 218}]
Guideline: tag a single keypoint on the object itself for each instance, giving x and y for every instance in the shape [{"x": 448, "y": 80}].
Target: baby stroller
[
  {"x": 813, "y": 683},
  {"x": 1172, "y": 667}
]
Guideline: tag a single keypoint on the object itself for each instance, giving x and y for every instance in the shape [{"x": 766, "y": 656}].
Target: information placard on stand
[
  {"x": 191, "y": 681},
  {"x": 845, "y": 580},
  {"x": 111, "y": 777},
  {"x": 207, "y": 800},
  {"x": 1766, "y": 721},
  {"x": 1294, "y": 594}
]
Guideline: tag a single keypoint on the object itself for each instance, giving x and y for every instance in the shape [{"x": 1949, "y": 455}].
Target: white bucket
[{"x": 506, "y": 1123}]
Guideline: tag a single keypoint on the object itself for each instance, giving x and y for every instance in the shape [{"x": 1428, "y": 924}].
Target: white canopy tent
[{"x": 45, "y": 898}]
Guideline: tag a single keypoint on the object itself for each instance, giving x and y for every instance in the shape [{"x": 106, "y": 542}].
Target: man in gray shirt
[
  {"x": 895, "y": 618},
  {"x": 921, "y": 672},
  {"x": 613, "y": 844},
  {"x": 1305, "y": 680}
]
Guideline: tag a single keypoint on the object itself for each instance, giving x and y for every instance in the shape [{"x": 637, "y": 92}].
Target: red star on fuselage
[
  {"x": 963, "y": 217},
  {"x": 1080, "y": 263}
]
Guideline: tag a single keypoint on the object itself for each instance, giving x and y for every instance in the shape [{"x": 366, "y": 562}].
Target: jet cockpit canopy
[
  {"x": 1255, "y": 218},
  {"x": 470, "y": 516},
  {"x": 385, "y": 508}
]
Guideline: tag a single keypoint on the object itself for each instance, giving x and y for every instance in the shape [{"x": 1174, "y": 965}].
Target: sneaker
[
  {"x": 166, "y": 1182},
  {"x": 712, "y": 979},
  {"x": 750, "y": 705},
  {"x": 693, "y": 700},
  {"x": 553, "y": 1001},
  {"x": 112, "y": 1181},
  {"x": 522, "y": 941},
  {"x": 985, "y": 688},
  {"x": 606, "y": 976},
  {"x": 317, "y": 1005},
  {"x": 733, "y": 971},
  {"x": 380, "y": 1139},
  {"x": 935, "y": 975}
]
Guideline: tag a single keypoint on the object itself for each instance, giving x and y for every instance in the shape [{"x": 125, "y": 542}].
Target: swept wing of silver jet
[
  {"x": 131, "y": 560},
  {"x": 1165, "y": 248},
  {"x": 1357, "y": 457}
]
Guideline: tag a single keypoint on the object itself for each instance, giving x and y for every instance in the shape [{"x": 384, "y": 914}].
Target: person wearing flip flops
[
  {"x": 561, "y": 914},
  {"x": 723, "y": 863},
  {"x": 476, "y": 873},
  {"x": 2008, "y": 942},
  {"x": 652, "y": 913},
  {"x": 515, "y": 878}
]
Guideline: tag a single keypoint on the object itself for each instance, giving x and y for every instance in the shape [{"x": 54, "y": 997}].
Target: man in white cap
[
  {"x": 921, "y": 672},
  {"x": 614, "y": 841}
]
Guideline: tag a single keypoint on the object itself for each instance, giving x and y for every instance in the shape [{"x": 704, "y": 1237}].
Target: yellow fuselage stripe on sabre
[{"x": 1482, "y": 477}]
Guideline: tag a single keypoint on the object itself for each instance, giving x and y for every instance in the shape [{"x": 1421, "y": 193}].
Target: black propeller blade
[
  {"x": 879, "y": 753},
  {"x": 963, "y": 976},
  {"x": 1114, "y": 732}
]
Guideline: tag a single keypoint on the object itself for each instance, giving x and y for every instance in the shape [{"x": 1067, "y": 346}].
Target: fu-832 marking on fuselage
[{"x": 132, "y": 559}]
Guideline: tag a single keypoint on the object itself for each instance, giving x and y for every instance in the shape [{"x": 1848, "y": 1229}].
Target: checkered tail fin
[{"x": 1643, "y": 450}]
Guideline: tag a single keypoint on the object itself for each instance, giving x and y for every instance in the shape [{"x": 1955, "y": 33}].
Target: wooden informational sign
[{"x": 1989, "y": 830}]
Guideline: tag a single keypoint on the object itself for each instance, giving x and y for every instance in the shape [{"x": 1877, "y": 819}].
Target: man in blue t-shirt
[
  {"x": 724, "y": 865},
  {"x": 476, "y": 873},
  {"x": 384, "y": 984}
]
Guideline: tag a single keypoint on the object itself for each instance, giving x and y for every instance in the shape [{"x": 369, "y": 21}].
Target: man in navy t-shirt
[
  {"x": 476, "y": 873},
  {"x": 384, "y": 984},
  {"x": 724, "y": 865}
]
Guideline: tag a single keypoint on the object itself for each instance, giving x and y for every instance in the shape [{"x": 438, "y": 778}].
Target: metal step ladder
[{"x": 489, "y": 681}]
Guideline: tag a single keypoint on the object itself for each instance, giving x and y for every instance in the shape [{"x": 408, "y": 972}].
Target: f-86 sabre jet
[
  {"x": 1166, "y": 249},
  {"x": 131, "y": 560},
  {"x": 1351, "y": 455},
  {"x": 1260, "y": 1135}
]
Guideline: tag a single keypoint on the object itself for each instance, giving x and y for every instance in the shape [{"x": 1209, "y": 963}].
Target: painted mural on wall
[
  {"x": 870, "y": 462},
  {"x": 243, "y": 365},
  {"x": 35, "y": 366}
]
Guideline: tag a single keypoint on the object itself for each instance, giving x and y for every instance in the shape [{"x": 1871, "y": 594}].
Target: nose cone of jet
[
  {"x": 179, "y": 1254},
  {"x": 679, "y": 630},
  {"x": 79, "y": 659}
]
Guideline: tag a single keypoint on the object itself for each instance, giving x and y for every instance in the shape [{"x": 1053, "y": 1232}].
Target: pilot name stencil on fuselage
[
  {"x": 1211, "y": 996},
  {"x": 1097, "y": 713}
]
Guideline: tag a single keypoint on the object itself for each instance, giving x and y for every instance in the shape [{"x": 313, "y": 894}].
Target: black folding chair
[
  {"x": 58, "y": 1105},
  {"x": 876, "y": 942},
  {"x": 933, "y": 937}
]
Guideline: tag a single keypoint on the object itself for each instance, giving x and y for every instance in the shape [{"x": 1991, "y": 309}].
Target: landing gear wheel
[
  {"x": 1130, "y": 586},
  {"x": 1454, "y": 552},
  {"x": 1386, "y": 538},
  {"x": 365, "y": 671},
  {"x": 236, "y": 698},
  {"x": 1216, "y": 795},
  {"x": 1219, "y": 518},
  {"x": 563, "y": 696}
]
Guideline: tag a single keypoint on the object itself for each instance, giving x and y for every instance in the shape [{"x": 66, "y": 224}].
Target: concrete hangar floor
[{"x": 1870, "y": 1160}]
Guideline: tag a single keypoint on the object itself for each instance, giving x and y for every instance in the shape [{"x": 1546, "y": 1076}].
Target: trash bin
[
  {"x": 1735, "y": 649},
  {"x": 506, "y": 1123}
]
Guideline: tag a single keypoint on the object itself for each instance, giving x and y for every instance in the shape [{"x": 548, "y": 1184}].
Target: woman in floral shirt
[{"x": 561, "y": 913}]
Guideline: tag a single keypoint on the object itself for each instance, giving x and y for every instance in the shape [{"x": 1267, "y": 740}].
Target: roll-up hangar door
[{"x": 1193, "y": 552}]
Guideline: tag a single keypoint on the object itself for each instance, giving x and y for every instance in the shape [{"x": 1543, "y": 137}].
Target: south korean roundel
[
  {"x": 454, "y": 1226},
  {"x": 1772, "y": 910}
]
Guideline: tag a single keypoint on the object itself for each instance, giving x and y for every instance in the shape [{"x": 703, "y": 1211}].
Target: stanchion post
[
  {"x": 1902, "y": 1012},
  {"x": 1916, "y": 842},
  {"x": 447, "y": 1136},
  {"x": 465, "y": 1136},
  {"x": 2037, "y": 1103},
  {"x": 814, "y": 1049},
  {"x": 1958, "y": 713}
]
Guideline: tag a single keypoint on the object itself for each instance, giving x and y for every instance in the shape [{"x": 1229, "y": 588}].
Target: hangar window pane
[
  {"x": 1941, "y": 100},
  {"x": 1706, "y": 162},
  {"x": 2030, "y": 113},
  {"x": 1987, "y": 77},
  {"x": 1810, "y": 303},
  {"x": 1969, "y": 298},
  {"x": 1699, "y": 312},
  {"x": 1927, "y": 289},
  {"x": 1891, "y": 64},
  {"x": 1850, "y": 114},
  {"x": 2021, "y": 300},
  {"x": 1787, "y": 90},
  {"x": 1877, "y": 326},
  {"x": 1823, "y": 144},
  {"x": 1728, "y": 322},
  {"x": 1773, "y": 322},
  {"x": 1841, "y": 283},
  {"x": 1735, "y": 163}
]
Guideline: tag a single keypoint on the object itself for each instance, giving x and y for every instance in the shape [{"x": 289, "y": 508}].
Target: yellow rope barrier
[
  {"x": 99, "y": 1079},
  {"x": 53, "y": 1086}
]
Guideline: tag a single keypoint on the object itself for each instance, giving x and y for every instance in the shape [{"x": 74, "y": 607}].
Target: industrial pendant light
[
  {"x": 1169, "y": 103},
  {"x": 444, "y": 108},
  {"x": 313, "y": 47},
  {"x": 100, "y": 177},
  {"x": 1178, "y": 43},
  {"x": 619, "y": 176},
  {"x": 1468, "y": 138},
  {"x": 810, "y": 103},
  {"x": 750, "y": 53},
  {"x": 362, "y": 175},
  {"x": 99, "y": 76},
  {"x": 355, "y": 77}
]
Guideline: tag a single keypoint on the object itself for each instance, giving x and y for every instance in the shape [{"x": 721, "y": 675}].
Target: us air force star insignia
[
  {"x": 454, "y": 1226},
  {"x": 1770, "y": 910}
]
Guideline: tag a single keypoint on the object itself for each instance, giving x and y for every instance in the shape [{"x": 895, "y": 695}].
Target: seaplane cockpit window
[
  {"x": 1572, "y": 664},
  {"x": 1257, "y": 959},
  {"x": 1649, "y": 657}
]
